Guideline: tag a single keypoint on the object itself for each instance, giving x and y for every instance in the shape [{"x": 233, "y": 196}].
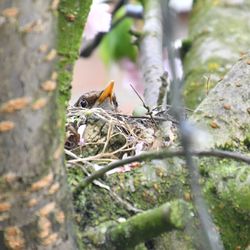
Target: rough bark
[
  {"x": 35, "y": 205},
  {"x": 225, "y": 113},
  {"x": 218, "y": 36}
]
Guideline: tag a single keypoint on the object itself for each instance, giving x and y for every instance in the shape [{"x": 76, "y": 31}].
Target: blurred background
[{"x": 93, "y": 73}]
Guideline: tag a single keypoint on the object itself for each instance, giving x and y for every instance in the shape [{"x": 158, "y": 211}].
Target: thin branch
[
  {"x": 90, "y": 46},
  {"x": 212, "y": 240},
  {"x": 151, "y": 59},
  {"x": 145, "y": 106},
  {"x": 128, "y": 206},
  {"x": 161, "y": 155},
  {"x": 118, "y": 6},
  {"x": 87, "y": 50},
  {"x": 157, "y": 118}
]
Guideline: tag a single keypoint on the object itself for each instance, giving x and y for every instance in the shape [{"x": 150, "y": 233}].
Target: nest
[{"x": 99, "y": 135}]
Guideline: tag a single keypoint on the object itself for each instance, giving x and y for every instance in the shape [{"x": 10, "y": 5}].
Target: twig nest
[{"x": 99, "y": 133}]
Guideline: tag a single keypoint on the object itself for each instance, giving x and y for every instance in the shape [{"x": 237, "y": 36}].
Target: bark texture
[
  {"x": 225, "y": 113},
  {"x": 71, "y": 20},
  {"x": 218, "y": 36},
  {"x": 35, "y": 205},
  {"x": 151, "y": 60}
]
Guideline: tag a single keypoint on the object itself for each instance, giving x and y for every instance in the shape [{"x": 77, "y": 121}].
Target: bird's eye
[{"x": 83, "y": 103}]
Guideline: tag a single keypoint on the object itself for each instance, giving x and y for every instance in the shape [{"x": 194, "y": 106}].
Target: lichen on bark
[
  {"x": 71, "y": 21},
  {"x": 225, "y": 181},
  {"x": 218, "y": 35},
  {"x": 33, "y": 180}
]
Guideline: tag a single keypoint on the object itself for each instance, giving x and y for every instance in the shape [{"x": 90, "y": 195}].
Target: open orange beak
[{"x": 107, "y": 92}]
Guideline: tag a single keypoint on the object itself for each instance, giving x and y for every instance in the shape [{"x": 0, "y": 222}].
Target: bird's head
[{"x": 105, "y": 99}]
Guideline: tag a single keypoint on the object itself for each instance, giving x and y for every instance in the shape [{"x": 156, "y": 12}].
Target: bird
[{"x": 104, "y": 99}]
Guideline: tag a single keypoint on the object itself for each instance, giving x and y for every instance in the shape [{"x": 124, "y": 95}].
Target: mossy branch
[
  {"x": 146, "y": 225},
  {"x": 212, "y": 52}
]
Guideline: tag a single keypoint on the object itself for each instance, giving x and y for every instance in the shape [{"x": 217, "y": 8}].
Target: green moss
[
  {"x": 247, "y": 140},
  {"x": 72, "y": 16},
  {"x": 152, "y": 185},
  {"x": 228, "y": 195},
  {"x": 234, "y": 227},
  {"x": 97, "y": 235},
  {"x": 201, "y": 78},
  {"x": 179, "y": 215},
  {"x": 68, "y": 44},
  {"x": 214, "y": 31},
  {"x": 71, "y": 20},
  {"x": 186, "y": 46},
  {"x": 94, "y": 205},
  {"x": 148, "y": 224}
]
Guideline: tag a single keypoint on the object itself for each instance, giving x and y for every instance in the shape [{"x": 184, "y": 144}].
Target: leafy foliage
[{"x": 117, "y": 44}]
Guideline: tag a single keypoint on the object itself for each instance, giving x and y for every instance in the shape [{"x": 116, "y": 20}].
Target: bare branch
[
  {"x": 162, "y": 155},
  {"x": 90, "y": 46},
  {"x": 151, "y": 61}
]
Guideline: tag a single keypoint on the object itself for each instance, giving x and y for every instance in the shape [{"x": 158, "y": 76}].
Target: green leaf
[{"x": 117, "y": 44}]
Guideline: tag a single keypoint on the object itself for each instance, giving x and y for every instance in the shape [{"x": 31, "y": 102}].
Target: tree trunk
[
  {"x": 35, "y": 205},
  {"x": 224, "y": 115},
  {"x": 218, "y": 35}
]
